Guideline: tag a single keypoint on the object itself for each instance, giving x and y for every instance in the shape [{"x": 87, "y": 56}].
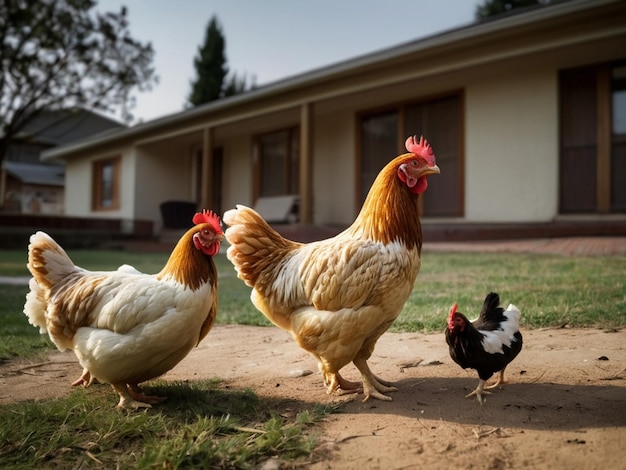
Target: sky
[{"x": 270, "y": 40}]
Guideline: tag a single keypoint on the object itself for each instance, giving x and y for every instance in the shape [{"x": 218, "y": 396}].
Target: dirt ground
[{"x": 565, "y": 405}]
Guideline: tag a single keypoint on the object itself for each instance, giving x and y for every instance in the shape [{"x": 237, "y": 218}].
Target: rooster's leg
[
  {"x": 372, "y": 385},
  {"x": 136, "y": 392},
  {"x": 127, "y": 402},
  {"x": 479, "y": 392},
  {"x": 335, "y": 382},
  {"x": 499, "y": 382}
]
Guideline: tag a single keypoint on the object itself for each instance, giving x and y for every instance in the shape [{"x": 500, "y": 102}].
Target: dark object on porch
[{"x": 177, "y": 214}]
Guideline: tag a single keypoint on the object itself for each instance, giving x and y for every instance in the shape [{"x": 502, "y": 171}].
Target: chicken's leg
[
  {"x": 84, "y": 380},
  {"x": 372, "y": 385},
  {"x": 499, "y": 381},
  {"x": 127, "y": 402},
  {"x": 334, "y": 381},
  {"x": 137, "y": 393},
  {"x": 479, "y": 392}
]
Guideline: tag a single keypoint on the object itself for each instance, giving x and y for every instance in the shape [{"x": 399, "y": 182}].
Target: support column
[
  {"x": 206, "y": 201},
  {"x": 306, "y": 163}
]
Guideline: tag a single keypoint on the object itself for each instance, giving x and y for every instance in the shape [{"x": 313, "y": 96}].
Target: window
[
  {"x": 593, "y": 139},
  {"x": 278, "y": 163},
  {"x": 439, "y": 121},
  {"x": 106, "y": 176}
]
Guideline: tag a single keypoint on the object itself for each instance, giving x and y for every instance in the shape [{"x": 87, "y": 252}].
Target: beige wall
[
  {"x": 511, "y": 159},
  {"x": 334, "y": 169},
  {"x": 237, "y": 176},
  {"x": 163, "y": 173},
  {"x": 78, "y": 192}
]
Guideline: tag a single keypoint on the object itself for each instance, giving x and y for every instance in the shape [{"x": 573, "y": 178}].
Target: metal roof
[{"x": 31, "y": 173}]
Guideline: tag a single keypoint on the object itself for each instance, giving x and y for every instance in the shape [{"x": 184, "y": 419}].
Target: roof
[
  {"x": 29, "y": 173},
  {"x": 60, "y": 127},
  {"x": 439, "y": 43}
]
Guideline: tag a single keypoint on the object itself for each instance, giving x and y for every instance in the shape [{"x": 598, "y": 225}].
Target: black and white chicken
[{"x": 487, "y": 344}]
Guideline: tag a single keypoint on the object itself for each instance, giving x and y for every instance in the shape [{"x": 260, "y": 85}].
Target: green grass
[
  {"x": 550, "y": 291},
  {"x": 200, "y": 426}
]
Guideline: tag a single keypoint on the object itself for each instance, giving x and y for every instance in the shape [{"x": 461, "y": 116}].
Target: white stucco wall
[{"x": 511, "y": 153}]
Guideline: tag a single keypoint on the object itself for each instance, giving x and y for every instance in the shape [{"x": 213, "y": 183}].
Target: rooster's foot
[
  {"x": 374, "y": 387},
  {"x": 336, "y": 383}
]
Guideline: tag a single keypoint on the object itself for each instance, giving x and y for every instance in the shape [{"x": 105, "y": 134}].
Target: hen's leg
[
  {"x": 479, "y": 392},
  {"x": 372, "y": 385},
  {"x": 499, "y": 382},
  {"x": 136, "y": 392},
  {"x": 84, "y": 379},
  {"x": 127, "y": 402}
]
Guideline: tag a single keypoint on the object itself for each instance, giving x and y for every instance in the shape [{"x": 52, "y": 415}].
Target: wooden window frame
[
  {"x": 97, "y": 184},
  {"x": 604, "y": 140},
  {"x": 401, "y": 109},
  {"x": 292, "y": 132}
]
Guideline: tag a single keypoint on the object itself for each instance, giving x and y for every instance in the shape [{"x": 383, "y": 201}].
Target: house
[
  {"x": 28, "y": 186},
  {"x": 526, "y": 115}
]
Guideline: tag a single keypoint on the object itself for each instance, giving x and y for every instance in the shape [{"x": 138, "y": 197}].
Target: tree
[
  {"x": 212, "y": 83},
  {"x": 490, "y": 8},
  {"x": 59, "y": 54}
]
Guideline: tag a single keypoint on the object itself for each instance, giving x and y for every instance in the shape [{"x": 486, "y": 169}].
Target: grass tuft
[{"x": 200, "y": 426}]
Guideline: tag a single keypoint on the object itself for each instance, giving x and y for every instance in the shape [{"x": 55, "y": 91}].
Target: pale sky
[{"x": 274, "y": 39}]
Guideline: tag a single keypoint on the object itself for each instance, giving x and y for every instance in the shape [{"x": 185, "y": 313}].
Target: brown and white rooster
[
  {"x": 126, "y": 327},
  {"x": 338, "y": 296}
]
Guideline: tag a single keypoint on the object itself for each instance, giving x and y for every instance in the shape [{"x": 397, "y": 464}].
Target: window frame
[
  {"x": 401, "y": 109},
  {"x": 98, "y": 183},
  {"x": 289, "y": 174}
]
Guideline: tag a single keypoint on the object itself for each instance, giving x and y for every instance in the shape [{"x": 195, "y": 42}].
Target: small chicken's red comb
[
  {"x": 453, "y": 310},
  {"x": 420, "y": 148},
  {"x": 208, "y": 217}
]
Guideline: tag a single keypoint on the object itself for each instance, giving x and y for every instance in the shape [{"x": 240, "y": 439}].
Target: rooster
[
  {"x": 487, "y": 344},
  {"x": 338, "y": 296},
  {"x": 124, "y": 326}
]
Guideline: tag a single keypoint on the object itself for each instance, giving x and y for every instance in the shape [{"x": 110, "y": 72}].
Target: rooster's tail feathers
[{"x": 47, "y": 261}]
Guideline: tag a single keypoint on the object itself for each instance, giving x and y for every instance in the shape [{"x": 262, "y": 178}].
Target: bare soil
[{"x": 564, "y": 405}]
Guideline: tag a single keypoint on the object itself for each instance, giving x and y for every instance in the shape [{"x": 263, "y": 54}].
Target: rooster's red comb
[
  {"x": 208, "y": 217},
  {"x": 420, "y": 148}
]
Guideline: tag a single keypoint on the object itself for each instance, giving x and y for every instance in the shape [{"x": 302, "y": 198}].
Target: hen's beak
[{"x": 431, "y": 170}]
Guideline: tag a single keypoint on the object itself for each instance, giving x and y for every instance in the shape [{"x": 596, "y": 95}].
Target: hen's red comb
[
  {"x": 421, "y": 149},
  {"x": 208, "y": 217}
]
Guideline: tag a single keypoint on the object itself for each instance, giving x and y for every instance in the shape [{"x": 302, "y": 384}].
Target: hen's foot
[
  {"x": 137, "y": 394},
  {"x": 127, "y": 402},
  {"x": 84, "y": 380}
]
